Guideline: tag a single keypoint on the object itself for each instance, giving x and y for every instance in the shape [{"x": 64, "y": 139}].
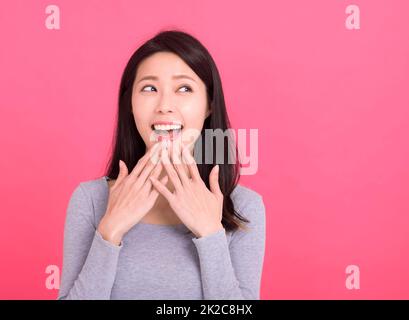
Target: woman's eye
[
  {"x": 188, "y": 88},
  {"x": 143, "y": 89}
]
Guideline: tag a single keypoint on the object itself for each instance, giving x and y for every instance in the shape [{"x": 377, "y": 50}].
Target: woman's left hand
[{"x": 199, "y": 208}]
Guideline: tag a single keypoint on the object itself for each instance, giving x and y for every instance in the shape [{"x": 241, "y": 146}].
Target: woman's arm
[
  {"x": 234, "y": 272},
  {"x": 89, "y": 261}
]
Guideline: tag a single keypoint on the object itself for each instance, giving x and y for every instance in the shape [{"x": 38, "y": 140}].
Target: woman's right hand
[{"x": 131, "y": 197}]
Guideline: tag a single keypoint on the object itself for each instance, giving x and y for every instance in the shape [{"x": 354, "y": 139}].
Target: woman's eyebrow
[
  {"x": 183, "y": 76},
  {"x": 178, "y": 76}
]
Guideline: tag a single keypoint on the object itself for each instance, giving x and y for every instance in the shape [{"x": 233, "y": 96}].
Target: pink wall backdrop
[{"x": 331, "y": 106}]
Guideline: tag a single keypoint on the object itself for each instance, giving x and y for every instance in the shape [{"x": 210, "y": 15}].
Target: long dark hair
[{"x": 128, "y": 144}]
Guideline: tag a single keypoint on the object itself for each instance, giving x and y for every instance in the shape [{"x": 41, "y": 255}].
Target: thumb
[
  {"x": 214, "y": 181},
  {"x": 123, "y": 172}
]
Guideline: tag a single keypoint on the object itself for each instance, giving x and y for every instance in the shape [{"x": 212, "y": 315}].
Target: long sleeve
[
  {"x": 234, "y": 271},
  {"x": 89, "y": 261}
]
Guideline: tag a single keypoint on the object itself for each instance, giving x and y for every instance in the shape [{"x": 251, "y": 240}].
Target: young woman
[{"x": 174, "y": 228}]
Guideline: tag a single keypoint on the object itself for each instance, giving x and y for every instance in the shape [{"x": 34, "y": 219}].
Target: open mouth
[{"x": 167, "y": 131}]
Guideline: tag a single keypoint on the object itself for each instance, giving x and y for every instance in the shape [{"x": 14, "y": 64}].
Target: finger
[
  {"x": 147, "y": 185},
  {"x": 173, "y": 176},
  {"x": 183, "y": 147},
  {"x": 180, "y": 167},
  {"x": 150, "y": 154},
  {"x": 146, "y": 172},
  {"x": 191, "y": 164},
  {"x": 214, "y": 181},
  {"x": 123, "y": 172},
  {"x": 162, "y": 189},
  {"x": 157, "y": 170},
  {"x": 154, "y": 193}
]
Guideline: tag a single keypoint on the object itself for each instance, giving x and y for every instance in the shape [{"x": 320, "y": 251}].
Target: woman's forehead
[{"x": 164, "y": 66}]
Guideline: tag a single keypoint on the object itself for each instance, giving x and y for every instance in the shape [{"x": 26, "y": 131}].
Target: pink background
[{"x": 331, "y": 106}]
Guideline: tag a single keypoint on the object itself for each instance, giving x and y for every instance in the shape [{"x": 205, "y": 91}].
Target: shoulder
[
  {"x": 249, "y": 204},
  {"x": 88, "y": 195},
  {"x": 244, "y": 197},
  {"x": 95, "y": 190},
  {"x": 94, "y": 187},
  {"x": 242, "y": 194}
]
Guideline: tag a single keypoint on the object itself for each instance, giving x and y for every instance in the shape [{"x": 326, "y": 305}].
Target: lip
[
  {"x": 167, "y": 122},
  {"x": 169, "y": 136}
]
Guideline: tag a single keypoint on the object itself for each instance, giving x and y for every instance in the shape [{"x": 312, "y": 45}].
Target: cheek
[
  {"x": 142, "y": 129},
  {"x": 194, "y": 113},
  {"x": 142, "y": 108},
  {"x": 142, "y": 117}
]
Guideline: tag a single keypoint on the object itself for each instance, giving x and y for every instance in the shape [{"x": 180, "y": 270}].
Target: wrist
[
  {"x": 109, "y": 234},
  {"x": 208, "y": 231}
]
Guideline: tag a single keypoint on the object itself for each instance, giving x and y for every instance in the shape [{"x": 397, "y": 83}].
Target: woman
[{"x": 172, "y": 227}]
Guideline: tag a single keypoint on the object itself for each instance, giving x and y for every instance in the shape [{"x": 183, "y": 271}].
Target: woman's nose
[
  {"x": 165, "y": 108},
  {"x": 165, "y": 104}
]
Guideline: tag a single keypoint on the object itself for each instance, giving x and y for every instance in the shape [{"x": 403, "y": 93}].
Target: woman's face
[{"x": 168, "y": 95}]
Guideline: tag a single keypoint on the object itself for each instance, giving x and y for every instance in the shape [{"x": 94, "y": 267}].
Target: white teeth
[{"x": 167, "y": 126}]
